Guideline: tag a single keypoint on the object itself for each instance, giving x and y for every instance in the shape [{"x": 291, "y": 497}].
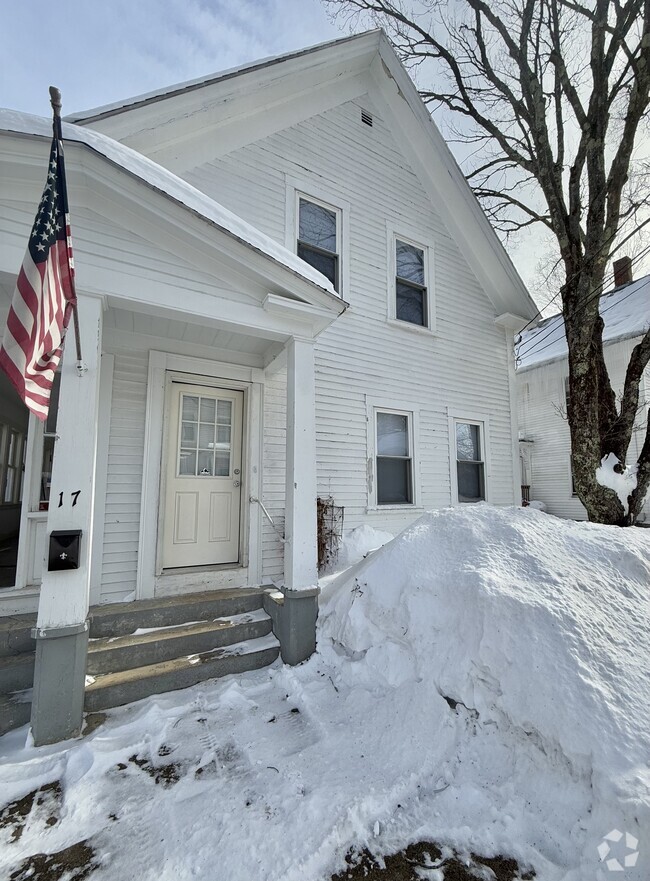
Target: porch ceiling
[{"x": 125, "y": 321}]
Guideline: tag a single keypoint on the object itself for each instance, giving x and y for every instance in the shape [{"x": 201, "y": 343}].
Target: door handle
[{"x": 236, "y": 483}]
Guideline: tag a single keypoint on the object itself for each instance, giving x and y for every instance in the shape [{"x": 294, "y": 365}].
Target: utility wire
[{"x": 596, "y": 295}]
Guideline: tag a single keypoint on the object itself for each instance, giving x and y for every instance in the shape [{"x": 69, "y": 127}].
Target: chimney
[{"x": 622, "y": 271}]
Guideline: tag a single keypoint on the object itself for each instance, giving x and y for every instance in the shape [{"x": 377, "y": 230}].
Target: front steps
[{"x": 148, "y": 647}]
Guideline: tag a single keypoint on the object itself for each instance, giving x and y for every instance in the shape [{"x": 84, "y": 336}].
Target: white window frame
[
  {"x": 410, "y": 237},
  {"x": 483, "y": 423},
  {"x": 6, "y": 431},
  {"x": 311, "y": 192},
  {"x": 401, "y": 408}
]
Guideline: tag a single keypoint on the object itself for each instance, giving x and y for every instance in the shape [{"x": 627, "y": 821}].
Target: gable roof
[
  {"x": 175, "y": 188},
  {"x": 625, "y": 311},
  {"x": 362, "y": 62}
]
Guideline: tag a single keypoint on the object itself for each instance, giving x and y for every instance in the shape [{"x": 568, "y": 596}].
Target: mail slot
[{"x": 64, "y": 549}]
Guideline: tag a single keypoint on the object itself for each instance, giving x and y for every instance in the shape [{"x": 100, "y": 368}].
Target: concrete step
[
  {"x": 120, "y": 619},
  {"x": 152, "y": 646},
  {"x": 117, "y": 689},
  {"x": 16, "y": 634},
  {"x": 15, "y": 711},
  {"x": 16, "y": 672}
]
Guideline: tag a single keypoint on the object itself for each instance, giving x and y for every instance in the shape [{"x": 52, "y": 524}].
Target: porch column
[
  {"x": 300, "y": 553},
  {"x": 61, "y": 631}
]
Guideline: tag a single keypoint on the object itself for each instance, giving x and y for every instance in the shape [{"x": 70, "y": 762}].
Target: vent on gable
[{"x": 366, "y": 117}]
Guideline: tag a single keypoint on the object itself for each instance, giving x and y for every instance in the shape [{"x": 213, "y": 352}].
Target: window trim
[
  {"x": 6, "y": 431},
  {"x": 411, "y": 237},
  {"x": 483, "y": 421},
  {"x": 297, "y": 189},
  {"x": 401, "y": 408}
]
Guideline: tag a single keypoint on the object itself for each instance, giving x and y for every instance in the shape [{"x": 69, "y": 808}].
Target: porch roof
[{"x": 177, "y": 189}]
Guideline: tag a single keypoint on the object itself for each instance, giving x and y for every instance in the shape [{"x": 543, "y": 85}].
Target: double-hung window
[
  {"x": 394, "y": 457},
  {"x": 411, "y": 295},
  {"x": 319, "y": 238},
  {"x": 470, "y": 461}
]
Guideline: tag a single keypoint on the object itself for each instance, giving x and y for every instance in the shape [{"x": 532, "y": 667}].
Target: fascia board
[{"x": 222, "y": 94}]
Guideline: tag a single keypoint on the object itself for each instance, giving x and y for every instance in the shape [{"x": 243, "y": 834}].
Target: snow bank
[
  {"x": 480, "y": 681},
  {"x": 539, "y": 627}
]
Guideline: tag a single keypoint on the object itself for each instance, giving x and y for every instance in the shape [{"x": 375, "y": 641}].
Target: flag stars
[{"x": 40, "y": 247}]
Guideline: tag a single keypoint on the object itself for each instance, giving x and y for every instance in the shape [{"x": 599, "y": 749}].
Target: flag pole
[{"x": 55, "y": 101}]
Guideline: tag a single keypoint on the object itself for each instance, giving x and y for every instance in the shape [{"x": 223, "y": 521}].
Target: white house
[
  {"x": 542, "y": 385},
  {"x": 287, "y": 290}
]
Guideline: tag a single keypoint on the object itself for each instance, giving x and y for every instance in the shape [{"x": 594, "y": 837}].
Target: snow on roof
[
  {"x": 625, "y": 311},
  {"x": 199, "y": 82},
  {"x": 169, "y": 184}
]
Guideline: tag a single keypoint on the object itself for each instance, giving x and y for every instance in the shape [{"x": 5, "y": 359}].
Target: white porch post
[
  {"x": 61, "y": 632},
  {"x": 300, "y": 553},
  {"x": 297, "y": 630}
]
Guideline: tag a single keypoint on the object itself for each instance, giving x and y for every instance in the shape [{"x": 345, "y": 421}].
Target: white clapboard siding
[
  {"x": 542, "y": 420},
  {"x": 463, "y": 368}
]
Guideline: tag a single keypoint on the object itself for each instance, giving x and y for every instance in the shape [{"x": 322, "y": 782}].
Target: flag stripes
[{"x": 44, "y": 296}]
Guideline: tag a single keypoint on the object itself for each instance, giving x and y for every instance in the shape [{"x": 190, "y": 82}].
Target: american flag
[{"x": 44, "y": 296}]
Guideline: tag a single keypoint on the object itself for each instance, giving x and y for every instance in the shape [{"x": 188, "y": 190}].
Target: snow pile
[
  {"x": 359, "y": 542},
  {"x": 537, "y": 626},
  {"x": 480, "y": 681}
]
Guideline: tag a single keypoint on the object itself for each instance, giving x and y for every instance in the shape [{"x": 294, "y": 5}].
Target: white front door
[{"x": 203, "y": 476}]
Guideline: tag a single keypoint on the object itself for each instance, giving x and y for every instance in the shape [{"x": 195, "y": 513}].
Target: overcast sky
[{"x": 100, "y": 52}]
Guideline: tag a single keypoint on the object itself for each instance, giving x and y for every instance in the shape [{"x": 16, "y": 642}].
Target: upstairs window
[
  {"x": 470, "y": 462},
  {"x": 319, "y": 238},
  {"x": 394, "y": 446},
  {"x": 411, "y": 299}
]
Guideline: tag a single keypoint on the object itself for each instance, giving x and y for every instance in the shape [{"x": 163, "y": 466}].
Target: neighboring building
[
  {"x": 543, "y": 382},
  {"x": 229, "y": 382}
]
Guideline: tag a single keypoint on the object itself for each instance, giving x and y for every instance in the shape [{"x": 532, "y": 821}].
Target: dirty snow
[{"x": 482, "y": 681}]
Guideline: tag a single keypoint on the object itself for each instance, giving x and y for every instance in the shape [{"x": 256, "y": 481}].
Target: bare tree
[{"x": 552, "y": 96}]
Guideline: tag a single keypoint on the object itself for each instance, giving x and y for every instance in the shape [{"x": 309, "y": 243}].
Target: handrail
[{"x": 269, "y": 518}]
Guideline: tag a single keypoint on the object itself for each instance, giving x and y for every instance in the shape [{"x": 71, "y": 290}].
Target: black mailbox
[{"x": 64, "y": 549}]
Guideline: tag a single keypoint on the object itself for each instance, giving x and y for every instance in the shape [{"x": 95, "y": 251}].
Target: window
[
  {"x": 49, "y": 439},
  {"x": 12, "y": 457},
  {"x": 319, "y": 238},
  {"x": 394, "y": 458},
  {"x": 410, "y": 288},
  {"x": 470, "y": 462}
]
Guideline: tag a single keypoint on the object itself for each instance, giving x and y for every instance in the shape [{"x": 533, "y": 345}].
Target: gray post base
[
  {"x": 59, "y": 682},
  {"x": 294, "y": 615}
]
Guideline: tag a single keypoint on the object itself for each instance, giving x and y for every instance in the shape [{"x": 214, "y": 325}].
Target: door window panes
[
  {"x": 470, "y": 465},
  {"x": 394, "y": 459},
  {"x": 205, "y": 437}
]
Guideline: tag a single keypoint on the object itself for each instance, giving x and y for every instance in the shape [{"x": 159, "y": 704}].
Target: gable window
[
  {"x": 411, "y": 300},
  {"x": 394, "y": 457},
  {"x": 470, "y": 461},
  {"x": 319, "y": 238}
]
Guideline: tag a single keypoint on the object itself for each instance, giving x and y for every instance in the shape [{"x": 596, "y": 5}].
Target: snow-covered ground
[{"x": 482, "y": 681}]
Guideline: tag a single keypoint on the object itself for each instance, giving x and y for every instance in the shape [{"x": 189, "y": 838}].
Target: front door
[{"x": 203, "y": 476}]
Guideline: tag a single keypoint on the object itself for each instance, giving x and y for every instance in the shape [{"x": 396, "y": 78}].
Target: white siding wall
[
  {"x": 542, "y": 419},
  {"x": 462, "y": 367}
]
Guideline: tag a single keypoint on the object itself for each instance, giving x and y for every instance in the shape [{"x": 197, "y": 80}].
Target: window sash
[
  {"x": 470, "y": 471},
  {"x": 307, "y": 249},
  {"x": 389, "y": 467},
  {"x": 413, "y": 288}
]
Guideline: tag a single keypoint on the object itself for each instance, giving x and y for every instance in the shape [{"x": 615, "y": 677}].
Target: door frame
[
  {"x": 164, "y": 367},
  {"x": 172, "y": 378}
]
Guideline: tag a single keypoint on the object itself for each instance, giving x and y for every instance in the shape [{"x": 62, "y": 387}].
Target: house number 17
[{"x": 75, "y": 495}]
